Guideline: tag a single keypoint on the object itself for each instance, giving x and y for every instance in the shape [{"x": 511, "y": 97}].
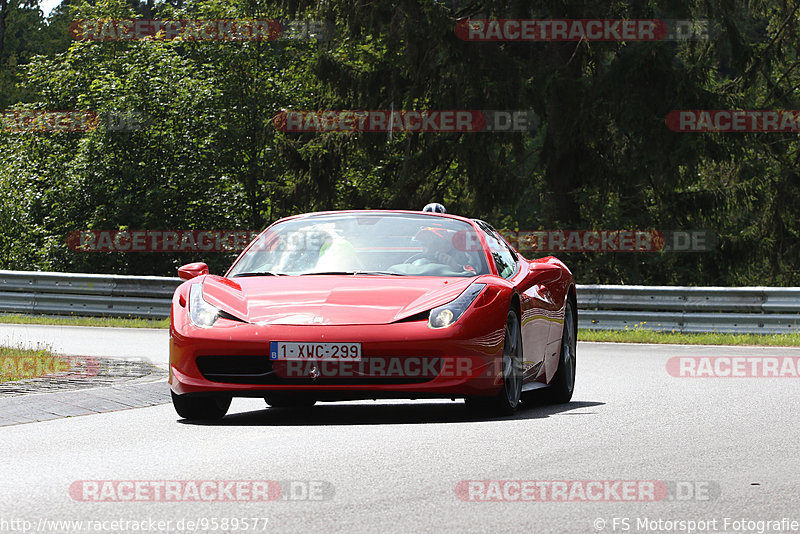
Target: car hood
[{"x": 330, "y": 299}]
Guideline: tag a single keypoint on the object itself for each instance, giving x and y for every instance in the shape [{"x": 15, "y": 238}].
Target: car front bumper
[{"x": 400, "y": 360}]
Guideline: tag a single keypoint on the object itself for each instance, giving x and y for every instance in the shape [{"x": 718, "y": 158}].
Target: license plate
[{"x": 350, "y": 352}]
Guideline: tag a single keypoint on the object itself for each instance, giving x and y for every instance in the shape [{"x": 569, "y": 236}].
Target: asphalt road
[
  {"x": 151, "y": 344},
  {"x": 728, "y": 448}
]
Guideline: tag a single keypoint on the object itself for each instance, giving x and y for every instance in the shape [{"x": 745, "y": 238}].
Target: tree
[{"x": 601, "y": 157}]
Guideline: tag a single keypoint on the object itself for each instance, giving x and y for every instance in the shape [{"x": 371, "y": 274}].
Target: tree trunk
[
  {"x": 564, "y": 147},
  {"x": 3, "y": 15}
]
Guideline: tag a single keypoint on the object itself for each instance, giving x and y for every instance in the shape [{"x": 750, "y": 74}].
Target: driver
[{"x": 437, "y": 247}]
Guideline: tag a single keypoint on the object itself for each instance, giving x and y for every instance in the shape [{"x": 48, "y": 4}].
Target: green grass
[
  {"x": 16, "y": 364},
  {"x": 84, "y": 321},
  {"x": 642, "y": 335}
]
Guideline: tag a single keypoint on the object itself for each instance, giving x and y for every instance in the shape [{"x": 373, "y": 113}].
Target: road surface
[{"x": 722, "y": 447}]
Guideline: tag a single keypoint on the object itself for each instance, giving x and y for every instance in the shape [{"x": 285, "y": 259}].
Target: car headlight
[
  {"x": 201, "y": 313},
  {"x": 444, "y": 316}
]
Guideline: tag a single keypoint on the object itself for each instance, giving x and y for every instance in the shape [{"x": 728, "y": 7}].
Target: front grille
[
  {"x": 260, "y": 370},
  {"x": 236, "y": 369}
]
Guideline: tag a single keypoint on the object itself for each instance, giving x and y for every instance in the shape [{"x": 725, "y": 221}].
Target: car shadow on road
[{"x": 413, "y": 412}]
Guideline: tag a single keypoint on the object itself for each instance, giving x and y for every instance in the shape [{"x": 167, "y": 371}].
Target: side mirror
[
  {"x": 543, "y": 273},
  {"x": 192, "y": 270}
]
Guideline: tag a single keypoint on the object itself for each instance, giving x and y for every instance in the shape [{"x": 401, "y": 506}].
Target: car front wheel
[
  {"x": 507, "y": 400},
  {"x": 201, "y": 407}
]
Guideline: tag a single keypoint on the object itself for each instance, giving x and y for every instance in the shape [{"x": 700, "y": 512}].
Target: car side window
[{"x": 504, "y": 258}]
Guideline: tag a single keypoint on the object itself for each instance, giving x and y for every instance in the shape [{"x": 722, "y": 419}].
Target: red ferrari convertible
[{"x": 373, "y": 304}]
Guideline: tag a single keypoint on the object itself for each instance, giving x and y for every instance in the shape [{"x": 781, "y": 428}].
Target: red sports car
[{"x": 373, "y": 304}]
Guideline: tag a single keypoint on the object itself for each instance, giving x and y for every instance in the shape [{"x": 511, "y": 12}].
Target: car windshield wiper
[
  {"x": 353, "y": 273},
  {"x": 257, "y": 273}
]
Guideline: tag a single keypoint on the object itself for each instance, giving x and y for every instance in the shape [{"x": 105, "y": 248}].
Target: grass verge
[
  {"x": 641, "y": 335},
  {"x": 19, "y": 363},
  {"x": 84, "y": 321}
]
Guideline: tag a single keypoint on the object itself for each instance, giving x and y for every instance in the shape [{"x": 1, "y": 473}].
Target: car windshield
[{"x": 369, "y": 244}]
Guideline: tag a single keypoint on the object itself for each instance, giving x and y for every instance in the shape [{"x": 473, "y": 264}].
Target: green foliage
[{"x": 208, "y": 155}]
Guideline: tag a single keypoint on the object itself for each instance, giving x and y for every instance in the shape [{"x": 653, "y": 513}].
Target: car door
[{"x": 534, "y": 321}]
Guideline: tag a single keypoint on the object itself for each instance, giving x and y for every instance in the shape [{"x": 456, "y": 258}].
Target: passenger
[{"x": 337, "y": 254}]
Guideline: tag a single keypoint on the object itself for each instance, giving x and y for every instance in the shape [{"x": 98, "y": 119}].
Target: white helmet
[{"x": 434, "y": 207}]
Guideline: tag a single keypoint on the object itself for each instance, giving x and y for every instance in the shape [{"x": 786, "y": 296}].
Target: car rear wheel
[
  {"x": 563, "y": 384},
  {"x": 197, "y": 407},
  {"x": 289, "y": 401},
  {"x": 507, "y": 400}
]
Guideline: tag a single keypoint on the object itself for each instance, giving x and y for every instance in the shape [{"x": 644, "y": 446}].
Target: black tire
[
  {"x": 201, "y": 407},
  {"x": 563, "y": 384},
  {"x": 507, "y": 400},
  {"x": 288, "y": 400}
]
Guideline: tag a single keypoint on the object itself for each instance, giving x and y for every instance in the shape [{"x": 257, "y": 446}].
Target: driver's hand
[{"x": 446, "y": 259}]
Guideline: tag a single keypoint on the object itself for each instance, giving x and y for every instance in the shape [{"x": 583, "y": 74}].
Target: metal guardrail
[
  {"x": 96, "y": 295},
  {"x": 765, "y": 310},
  {"x": 755, "y": 310}
]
